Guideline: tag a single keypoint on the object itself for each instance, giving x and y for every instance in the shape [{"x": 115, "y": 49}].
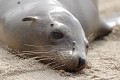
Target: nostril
[{"x": 81, "y": 63}]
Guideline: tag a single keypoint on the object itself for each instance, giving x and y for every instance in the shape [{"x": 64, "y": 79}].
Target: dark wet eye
[{"x": 57, "y": 35}]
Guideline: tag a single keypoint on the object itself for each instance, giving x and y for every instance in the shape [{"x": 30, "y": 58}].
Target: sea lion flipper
[{"x": 105, "y": 28}]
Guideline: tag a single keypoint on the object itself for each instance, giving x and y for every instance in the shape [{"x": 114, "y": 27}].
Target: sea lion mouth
[
  {"x": 64, "y": 60},
  {"x": 57, "y": 59}
]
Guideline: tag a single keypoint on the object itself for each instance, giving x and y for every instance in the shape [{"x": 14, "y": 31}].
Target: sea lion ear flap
[{"x": 30, "y": 18}]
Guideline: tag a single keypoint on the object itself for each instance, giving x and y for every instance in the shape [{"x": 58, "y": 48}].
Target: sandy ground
[{"x": 103, "y": 57}]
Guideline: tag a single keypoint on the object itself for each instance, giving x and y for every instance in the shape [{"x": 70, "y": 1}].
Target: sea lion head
[{"x": 54, "y": 37}]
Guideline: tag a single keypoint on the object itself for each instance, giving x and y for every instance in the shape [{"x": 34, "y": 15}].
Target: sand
[{"x": 103, "y": 57}]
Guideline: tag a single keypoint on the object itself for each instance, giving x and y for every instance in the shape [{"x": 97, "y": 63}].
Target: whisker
[
  {"x": 6, "y": 47},
  {"x": 54, "y": 50},
  {"x": 68, "y": 43},
  {"x": 51, "y": 63},
  {"x": 55, "y": 66},
  {"x": 33, "y": 55},
  {"x": 37, "y": 46},
  {"x": 45, "y": 56},
  {"x": 41, "y": 57},
  {"x": 58, "y": 66},
  {"x": 33, "y": 52},
  {"x": 44, "y": 59},
  {"x": 90, "y": 36}
]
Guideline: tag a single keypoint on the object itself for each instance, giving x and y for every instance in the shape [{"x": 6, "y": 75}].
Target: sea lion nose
[{"x": 82, "y": 63}]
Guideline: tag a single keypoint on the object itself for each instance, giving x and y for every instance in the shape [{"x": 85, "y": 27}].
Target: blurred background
[{"x": 109, "y": 7}]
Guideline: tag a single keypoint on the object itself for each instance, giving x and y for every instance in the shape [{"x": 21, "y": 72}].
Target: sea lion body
[{"x": 58, "y": 28}]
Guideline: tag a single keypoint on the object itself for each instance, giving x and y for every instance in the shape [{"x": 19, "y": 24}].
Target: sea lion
[{"x": 54, "y": 31}]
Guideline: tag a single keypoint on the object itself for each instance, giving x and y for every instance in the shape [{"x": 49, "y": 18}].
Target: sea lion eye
[{"x": 57, "y": 35}]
